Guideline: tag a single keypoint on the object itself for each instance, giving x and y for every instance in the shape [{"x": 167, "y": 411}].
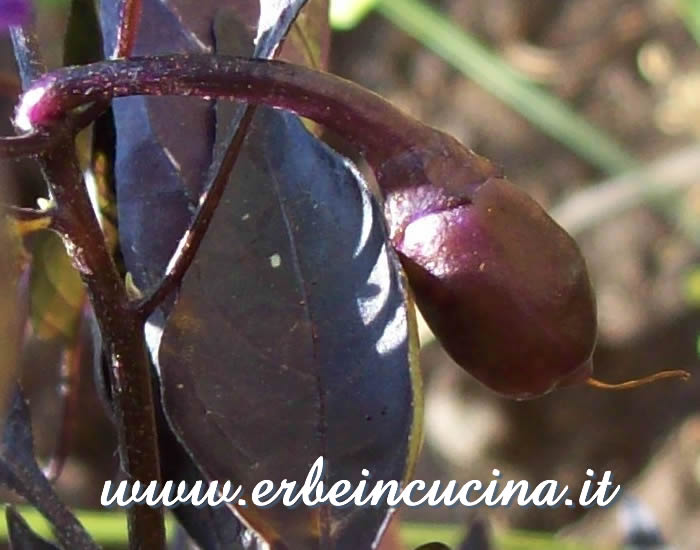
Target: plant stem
[
  {"x": 129, "y": 18},
  {"x": 406, "y": 156},
  {"x": 121, "y": 328},
  {"x": 368, "y": 121},
  {"x": 122, "y": 333},
  {"x": 186, "y": 251},
  {"x": 35, "y": 143},
  {"x": 22, "y": 146},
  {"x": 21, "y": 214},
  {"x": 220, "y": 169}
]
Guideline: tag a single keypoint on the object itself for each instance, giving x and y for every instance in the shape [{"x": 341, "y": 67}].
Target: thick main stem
[
  {"x": 121, "y": 327},
  {"x": 123, "y": 336}
]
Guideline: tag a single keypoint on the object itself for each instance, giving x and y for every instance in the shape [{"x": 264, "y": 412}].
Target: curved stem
[
  {"x": 367, "y": 120},
  {"x": 41, "y": 218},
  {"x": 37, "y": 142},
  {"x": 121, "y": 328},
  {"x": 191, "y": 240}
]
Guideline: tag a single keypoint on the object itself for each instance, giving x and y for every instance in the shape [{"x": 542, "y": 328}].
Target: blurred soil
[{"x": 631, "y": 68}]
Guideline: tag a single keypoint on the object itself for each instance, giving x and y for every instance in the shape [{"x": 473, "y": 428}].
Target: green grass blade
[
  {"x": 487, "y": 69},
  {"x": 690, "y": 14}
]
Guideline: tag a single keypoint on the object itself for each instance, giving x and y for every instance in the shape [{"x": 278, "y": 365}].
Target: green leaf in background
[
  {"x": 56, "y": 292},
  {"x": 692, "y": 286},
  {"x": 21, "y": 535},
  {"x": 692, "y": 294},
  {"x": 52, "y": 3},
  {"x": 346, "y": 14},
  {"x": 689, "y": 11},
  {"x": 10, "y": 252}
]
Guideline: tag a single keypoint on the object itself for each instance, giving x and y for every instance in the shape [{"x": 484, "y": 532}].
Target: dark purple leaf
[
  {"x": 164, "y": 147},
  {"x": 20, "y": 473},
  {"x": 163, "y": 144},
  {"x": 21, "y": 536},
  {"x": 276, "y": 16},
  {"x": 290, "y": 337},
  {"x": 17, "y": 445},
  {"x": 210, "y": 528},
  {"x": 294, "y": 527}
]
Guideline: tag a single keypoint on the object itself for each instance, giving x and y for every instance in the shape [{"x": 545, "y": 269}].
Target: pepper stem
[{"x": 677, "y": 373}]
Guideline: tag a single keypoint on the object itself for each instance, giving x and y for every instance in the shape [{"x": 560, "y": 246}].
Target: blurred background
[{"x": 594, "y": 107}]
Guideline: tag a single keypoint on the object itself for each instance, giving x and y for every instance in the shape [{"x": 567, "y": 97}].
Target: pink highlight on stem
[{"x": 29, "y": 109}]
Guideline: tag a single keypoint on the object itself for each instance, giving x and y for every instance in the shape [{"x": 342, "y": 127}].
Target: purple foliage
[{"x": 13, "y": 12}]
